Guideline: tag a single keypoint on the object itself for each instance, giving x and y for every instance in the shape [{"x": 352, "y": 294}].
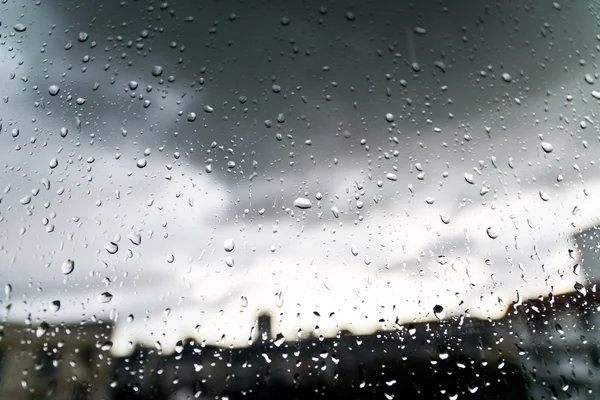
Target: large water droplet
[
  {"x": 25, "y": 200},
  {"x": 191, "y": 116},
  {"x": 105, "y": 297},
  {"x": 141, "y": 163},
  {"x": 19, "y": 27},
  {"x": 55, "y": 305},
  {"x": 135, "y": 237},
  {"x": 469, "y": 178},
  {"x": 68, "y": 267},
  {"x": 111, "y": 247},
  {"x": 438, "y": 311},
  {"x": 42, "y": 329},
  {"x": 302, "y": 202},
  {"x": 580, "y": 288},
  {"x": 491, "y": 232},
  {"x": 229, "y": 261},
  {"x": 157, "y": 70},
  {"x": 445, "y": 218},
  {"x": 229, "y": 245},
  {"x": 53, "y": 90},
  {"x": 53, "y": 163},
  {"x": 547, "y": 147}
]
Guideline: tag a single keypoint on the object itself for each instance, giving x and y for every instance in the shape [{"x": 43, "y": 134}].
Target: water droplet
[
  {"x": 544, "y": 196},
  {"x": 135, "y": 237},
  {"x": 354, "y": 250},
  {"x": 596, "y": 95},
  {"x": 53, "y": 163},
  {"x": 580, "y": 288},
  {"x": 25, "y": 200},
  {"x": 179, "y": 347},
  {"x": 491, "y": 232},
  {"x": 420, "y": 30},
  {"x": 68, "y": 267},
  {"x": 244, "y": 301},
  {"x": 42, "y": 329},
  {"x": 15, "y": 132},
  {"x": 391, "y": 176},
  {"x": 335, "y": 211},
  {"x": 506, "y": 76},
  {"x": 350, "y": 16},
  {"x": 19, "y": 27},
  {"x": 589, "y": 78},
  {"x": 438, "y": 311},
  {"x": 208, "y": 109},
  {"x": 141, "y": 163},
  {"x": 302, "y": 202},
  {"x": 170, "y": 258},
  {"x": 445, "y": 218},
  {"x": 106, "y": 346},
  {"x": 105, "y": 297},
  {"x": 229, "y": 261},
  {"x": 430, "y": 200},
  {"x": 111, "y": 247},
  {"x": 285, "y": 21},
  {"x": 130, "y": 318},
  {"x": 547, "y": 147},
  {"x": 53, "y": 90},
  {"x": 82, "y": 37},
  {"x": 55, "y": 305},
  {"x": 469, "y": 178},
  {"x": 63, "y": 132},
  {"x": 229, "y": 245},
  {"x": 389, "y": 117},
  {"x": 191, "y": 117},
  {"x": 576, "y": 269},
  {"x": 157, "y": 70}
]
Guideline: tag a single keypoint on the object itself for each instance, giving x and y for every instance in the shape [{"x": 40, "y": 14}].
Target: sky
[{"x": 447, "y": 150}]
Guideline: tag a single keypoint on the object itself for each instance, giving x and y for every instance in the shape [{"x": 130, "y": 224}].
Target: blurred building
[{"x": 61, "y": 362}]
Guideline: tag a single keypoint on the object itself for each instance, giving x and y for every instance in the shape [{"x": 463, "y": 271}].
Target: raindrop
[
  {"x": 389, "y": 117},
  {"x": 445, "y": 218},
  {"x": 420, "y": 30},
  {"x": 469, "y": 178},
  {"x": 354, "y": 250},
  {"x": 544, "y": 196},
  {"x": 179, "y": 347},
  {"x": 506, "y": 76},
  {"x": 53, "y": 163},
  {"x": 229, "y": 245},
  {"x": 53, "y": 90},
  {"x": 208, "y": 109},
  {"x": 302, "y": 202},
  {"x": 285, "y": 21},
  {"x": 589, "y": 79},
  {"x": 141, "y": 163},
  {"x": 350, "y": 16},
  {"x": 576, "y": 269},
  {"x": 491, "y": 232},
  {"x": 229, "y": 261},
  {"x": 157, "y": 70},
  {"x": 170, "y": 258},
  {"x": 244, "y": 301},
  {"x": 42, "y": 329},
  {"x": 106, "y": 346},
  {"x": 335, "y": 211},
  {"x": 111, "y": 247},
  {"x": 191, "y": 117},
  {"x": 580, "y": 288},
  {"x": 25, "y": 200},
  {"x": 15, "y": 132},
  {"x": 82, "y": 37},
  {"x": 391, "y": 176},
  {"x": 596, "y": 94},
  {"x": 68, "y": 267},
  {"x": 19, "y": 27},
  {"x": 55, "y": 305},
  {"x": 63, "y": 131},
  {"x": 135, "y": 237},
  {"x": 438, "y": 311},
  {"x": 547, "y": 147},
  {"x": 105, "y": 297}
]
